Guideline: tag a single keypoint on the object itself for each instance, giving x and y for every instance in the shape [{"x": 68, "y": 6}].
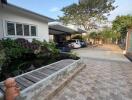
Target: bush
[
  {"x": 19, "y": 56},
  {"x": 37, "y": 42},
  {"x": 13, "y": 49},
  {"x": 47, "y": 49},
  {"x": 18, "y": 48},
  {"x": 26, "y": 44}
]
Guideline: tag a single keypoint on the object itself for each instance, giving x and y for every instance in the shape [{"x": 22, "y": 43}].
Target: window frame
[
  {"x": 7, "y": 28},
  {"x": 22, "y": 29},
  {"x": 31, "y": 30}
]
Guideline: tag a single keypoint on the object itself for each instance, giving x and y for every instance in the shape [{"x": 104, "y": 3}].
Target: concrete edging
[
  {"x": 64, "y": 83},
  {"x": 29, "y": 92},
  {"x": 2, "y": 96}
]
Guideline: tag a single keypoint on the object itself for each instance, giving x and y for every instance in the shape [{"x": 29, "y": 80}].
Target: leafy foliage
[
  {"x": 86, "y": 14},
  {"x": 107, "y": 35},
  {"x": 121, "y": 24},
  {"x": 26, "y": 44},
  {"x": 48, "y": 48},
  {"x": 20, "y": 56},
  {"x": 37, "y": 42},
  {"x": 12, "y": 49},
  {"x": 93, "y": 35}
]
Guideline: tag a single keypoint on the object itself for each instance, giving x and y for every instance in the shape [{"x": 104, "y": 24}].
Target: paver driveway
[{"x": 102, "y": 79}]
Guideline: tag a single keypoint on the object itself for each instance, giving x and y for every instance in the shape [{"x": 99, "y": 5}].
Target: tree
[
  {"x": 93, "y": 35},
  {"x": 121, "y": 23},
  {"x": 86, "y": 14},
  {"x": 107, "y": 35}
]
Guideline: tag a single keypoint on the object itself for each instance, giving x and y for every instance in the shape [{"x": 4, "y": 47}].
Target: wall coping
[{"x": 47, "y": 80}]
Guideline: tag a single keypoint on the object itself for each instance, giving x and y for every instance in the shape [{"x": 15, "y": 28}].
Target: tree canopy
[
  {"x": 122, "y": 23},
  {"x": 106, "y": 35},
  {"x": 86, "y": 14}
]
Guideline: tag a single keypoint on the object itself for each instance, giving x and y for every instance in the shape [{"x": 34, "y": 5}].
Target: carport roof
[
  {"x": 59, "y": 28},
  {"x": 81, "y": 30}
]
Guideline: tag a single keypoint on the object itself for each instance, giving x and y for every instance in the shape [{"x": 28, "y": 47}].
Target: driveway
[
  {"x": 107, "y": 76},
  {"x": 109, "y": 52}
]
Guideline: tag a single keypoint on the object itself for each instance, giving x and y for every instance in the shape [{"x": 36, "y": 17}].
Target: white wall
[
  {"x": 14, "y": 16},
  {"x": 1, "y": 29}
]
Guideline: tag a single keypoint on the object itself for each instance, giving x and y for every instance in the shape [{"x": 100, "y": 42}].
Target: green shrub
[
  {"x": 48, "y": 48},
  {"x": 34, "y": 41},
  {"x": 17, "y": 56},
  {"x": 8, "y": 43},
  {"x": 13, "y": 50},
  {"x": 26, "y": 44},
  {"x": 52, "y": 48}
]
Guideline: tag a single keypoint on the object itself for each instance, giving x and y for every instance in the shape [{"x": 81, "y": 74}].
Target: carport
[{"x": 62, "y": 33}]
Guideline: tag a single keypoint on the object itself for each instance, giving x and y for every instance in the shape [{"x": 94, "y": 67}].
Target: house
[{"x": 16, "y": 22}]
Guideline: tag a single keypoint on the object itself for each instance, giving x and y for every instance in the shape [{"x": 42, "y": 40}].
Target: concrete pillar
[{"x": 128, "y": 41}]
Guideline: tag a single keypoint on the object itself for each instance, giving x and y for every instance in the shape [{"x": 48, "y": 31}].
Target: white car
[{"x": 75, "y": 44}]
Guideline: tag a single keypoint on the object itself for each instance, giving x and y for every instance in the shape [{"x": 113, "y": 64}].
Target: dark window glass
[
  {"x": 26, "y": 30},
  {"x": 33, "y": 31},
  {"x": 19, "y": 30},
  {"x": 10, "y": 28}
]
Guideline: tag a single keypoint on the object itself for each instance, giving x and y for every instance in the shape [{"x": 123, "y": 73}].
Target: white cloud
[{"x": 55, "y": 9}]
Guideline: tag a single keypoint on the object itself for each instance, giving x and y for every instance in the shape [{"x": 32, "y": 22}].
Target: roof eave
[{"x": 30, "y": 12}]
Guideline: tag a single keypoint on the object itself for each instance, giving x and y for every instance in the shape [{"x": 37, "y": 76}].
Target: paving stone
[{"x": 100, "y": 81}]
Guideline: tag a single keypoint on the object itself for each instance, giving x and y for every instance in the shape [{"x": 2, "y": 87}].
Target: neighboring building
[{"x": 16, "y": 22}]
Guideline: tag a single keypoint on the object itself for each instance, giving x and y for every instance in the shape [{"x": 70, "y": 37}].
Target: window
[
  {"x": 33, "y": 31},
  {"x": 19, "y": 29},
  {"x": 10, "y": 28},
  {"x": 26, "y": 30}
]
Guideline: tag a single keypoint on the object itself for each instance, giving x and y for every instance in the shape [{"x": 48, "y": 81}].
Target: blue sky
[{"x": 51, "y": 8}]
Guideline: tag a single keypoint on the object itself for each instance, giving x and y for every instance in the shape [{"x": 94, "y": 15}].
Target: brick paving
[{"x": 100, "y": 80}]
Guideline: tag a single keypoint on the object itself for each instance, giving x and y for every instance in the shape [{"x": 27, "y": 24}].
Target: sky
[{"x": 51, "y": 8}]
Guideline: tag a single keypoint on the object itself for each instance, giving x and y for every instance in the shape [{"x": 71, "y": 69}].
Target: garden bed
[{"x": 20, "y": 56}]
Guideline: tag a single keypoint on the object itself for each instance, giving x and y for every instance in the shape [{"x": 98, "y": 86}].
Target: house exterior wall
[
  {"x": 14, "y": 16},
  {"x": 1, "y": 28}
]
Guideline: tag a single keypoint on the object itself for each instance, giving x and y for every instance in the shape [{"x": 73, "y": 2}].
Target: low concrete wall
[
  {"x": 35, "y": 89},
  {"x": 1, "y": 95}
]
